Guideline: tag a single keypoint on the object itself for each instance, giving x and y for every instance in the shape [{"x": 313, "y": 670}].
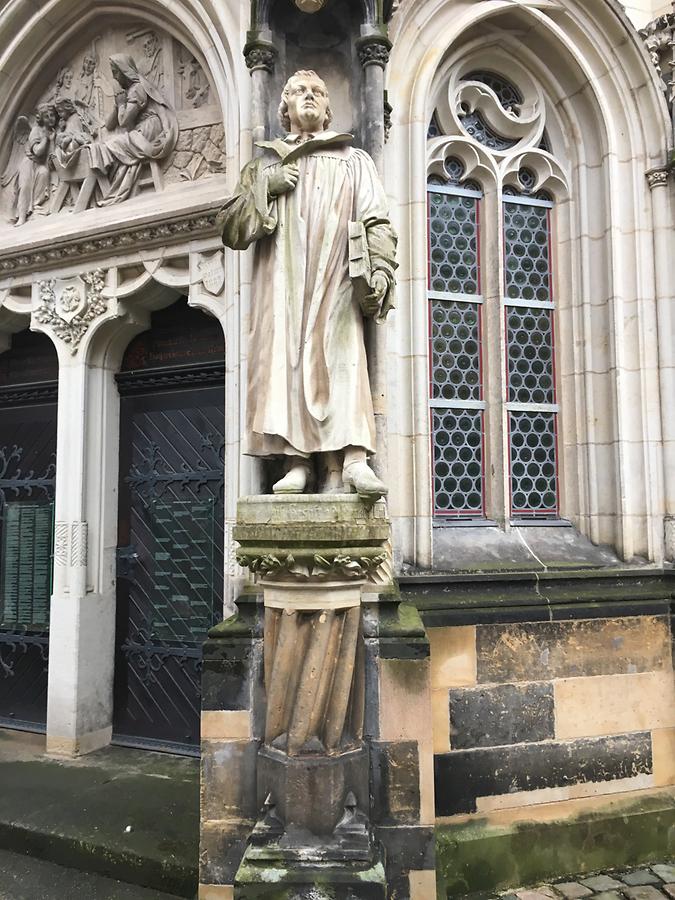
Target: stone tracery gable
[{"x": 89, "y": 139}]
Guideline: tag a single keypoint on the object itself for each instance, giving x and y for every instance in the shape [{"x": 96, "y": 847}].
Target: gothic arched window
[{"x": 492, "y": 186}]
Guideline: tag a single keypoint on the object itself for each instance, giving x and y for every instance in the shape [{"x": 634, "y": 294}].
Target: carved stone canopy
[{"x": 131, "y": 110}]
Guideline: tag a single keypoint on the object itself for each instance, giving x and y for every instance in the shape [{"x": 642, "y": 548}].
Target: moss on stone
[{"x": 477, "y": 856}]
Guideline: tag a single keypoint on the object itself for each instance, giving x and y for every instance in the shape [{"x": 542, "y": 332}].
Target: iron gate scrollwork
[
  {"x": 170, "y": 562},
  {"x": 27, "y": 482}
]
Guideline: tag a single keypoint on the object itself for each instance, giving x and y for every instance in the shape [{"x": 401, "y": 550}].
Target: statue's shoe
[
  {"x": 365, "y": 482},
  {"x": 294, "y": 481}
]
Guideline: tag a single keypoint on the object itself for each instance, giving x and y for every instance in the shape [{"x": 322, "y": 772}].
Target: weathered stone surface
[
  {"x": 639, "y": 878},
  {"x": 665, "y": 872},
  {"x": 221, "y": 848},
  {"x": 543, "y": 650},
  {"x": 543, "y": 892},
  {"x": 601, "y": 883},
  {"x": 395, "y": 783},
  {"x": 608, "y": 895},
  {"x": 572, "y": 890},
  {"x": 669, "y": 889},
  {"x": 503, "y": 714},
  {"x": 463, "y": 775},
  {"x": 309, "y": 792},
  {"x": 228, "y": 785},
  {"x": 643, "y": 892}
]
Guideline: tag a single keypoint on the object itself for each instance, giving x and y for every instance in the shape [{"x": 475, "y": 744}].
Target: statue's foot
[
  {"x": 294, "y": 481},
  {"x": 364, "y": 481}
]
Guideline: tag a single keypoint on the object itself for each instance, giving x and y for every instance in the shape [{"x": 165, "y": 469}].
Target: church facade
[{"x": 523, "y": 389}]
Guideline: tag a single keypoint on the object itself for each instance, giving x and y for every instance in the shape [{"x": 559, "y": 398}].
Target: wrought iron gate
[
  {"x": 170, "y": 549},
  {"x": 27, "y": 479}
]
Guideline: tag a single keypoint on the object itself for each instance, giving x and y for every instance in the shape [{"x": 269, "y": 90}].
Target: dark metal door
[
  {"x": 27, "y": 478},
  {"x": 170, "y": 550}
]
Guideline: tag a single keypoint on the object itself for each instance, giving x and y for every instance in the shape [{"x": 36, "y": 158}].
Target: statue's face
[
  {"x": 150, "y": 44},
  {"x": 307, "y": 101}
]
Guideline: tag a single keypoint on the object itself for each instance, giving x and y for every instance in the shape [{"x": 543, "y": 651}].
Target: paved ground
[
  {"x": 122, "y": 814},
  {"x": 654, "y": 882},
  {"x": 26, "y": 878}
]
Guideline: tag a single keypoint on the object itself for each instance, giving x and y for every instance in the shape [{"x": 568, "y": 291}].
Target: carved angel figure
[
  {"x": 28, "y": 170},
  {"x": 143, "y": 126}
]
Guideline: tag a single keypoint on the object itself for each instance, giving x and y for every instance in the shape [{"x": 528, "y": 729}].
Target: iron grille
[{"x": 27, "y": 480}]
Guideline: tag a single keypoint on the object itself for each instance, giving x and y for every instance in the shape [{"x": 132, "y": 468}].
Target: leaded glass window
[
  {"x": 530, "y": 354},
  {"x": 455, "y": 345}
]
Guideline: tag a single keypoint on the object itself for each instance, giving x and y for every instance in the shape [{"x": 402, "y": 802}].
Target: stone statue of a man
[{"x": 324, "y": 260}]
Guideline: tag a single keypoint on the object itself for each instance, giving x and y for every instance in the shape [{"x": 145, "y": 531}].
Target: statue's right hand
[{"x": 283, "y": 180}]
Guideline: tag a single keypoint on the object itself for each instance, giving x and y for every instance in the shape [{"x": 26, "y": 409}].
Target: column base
[{"x": 276, "y": 880}]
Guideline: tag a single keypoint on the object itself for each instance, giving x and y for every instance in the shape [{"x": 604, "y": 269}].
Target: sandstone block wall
[{"x": 548, "y": 711}]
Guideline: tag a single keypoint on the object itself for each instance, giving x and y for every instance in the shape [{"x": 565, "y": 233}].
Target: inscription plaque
[
  {"x": 183, "y": 561},
  {"x": 26, "y": 580}
]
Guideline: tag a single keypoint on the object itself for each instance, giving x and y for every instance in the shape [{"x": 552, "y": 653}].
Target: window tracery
[{"x": 488, "y": 456}]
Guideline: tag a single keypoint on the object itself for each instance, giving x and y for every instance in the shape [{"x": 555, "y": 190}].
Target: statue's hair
[{"x": 283, "y": 106}]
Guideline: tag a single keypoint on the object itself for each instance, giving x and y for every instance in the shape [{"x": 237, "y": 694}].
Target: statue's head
[
  {"x": 46, "y": 115},
  {"x": 305, "y": 105}
]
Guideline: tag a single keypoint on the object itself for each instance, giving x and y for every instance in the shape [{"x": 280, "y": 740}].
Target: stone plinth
[{"x": 313, "y": 555}]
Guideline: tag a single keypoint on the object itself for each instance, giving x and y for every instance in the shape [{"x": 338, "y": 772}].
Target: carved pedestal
[{"x": 312, "y": 555}]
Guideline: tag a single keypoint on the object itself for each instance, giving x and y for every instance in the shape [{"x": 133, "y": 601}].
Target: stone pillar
[
  {"x": 313, "y": 556},
  {"x": 232, "y": 727},
  {"x": 373, "y": 49},
  {"x": 82, "y": 617},
  {"x": 260, "y": 55},
  {"x": 660, "y": 182},
  {"x": 399, "y": 728}
]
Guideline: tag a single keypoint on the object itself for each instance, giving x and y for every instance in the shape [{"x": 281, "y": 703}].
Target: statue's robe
[{"x": 308, "y": 388}]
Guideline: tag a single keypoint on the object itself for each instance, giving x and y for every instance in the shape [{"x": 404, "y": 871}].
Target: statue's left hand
[{"x": 372, "y": 302}]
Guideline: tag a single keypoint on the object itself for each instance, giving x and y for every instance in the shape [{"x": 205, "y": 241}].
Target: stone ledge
[{"x": 481, "y": 854}]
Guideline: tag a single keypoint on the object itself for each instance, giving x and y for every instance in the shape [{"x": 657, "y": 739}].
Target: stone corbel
[{"x": 69, "y": 306}]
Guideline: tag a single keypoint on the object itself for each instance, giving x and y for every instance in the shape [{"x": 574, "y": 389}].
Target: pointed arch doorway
[{"x": 170, "y": 526}]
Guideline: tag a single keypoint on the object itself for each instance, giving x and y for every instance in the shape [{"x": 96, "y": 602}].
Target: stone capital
[
  {"x": 323, "y": 538},
  {"x": 260, "y": 54},
  {"x": 658, "y": 177},
  {"x": 373, "y": 50}
]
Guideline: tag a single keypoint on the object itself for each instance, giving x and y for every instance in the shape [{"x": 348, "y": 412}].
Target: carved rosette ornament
[
  {"x": 374, "y": 51},
  {"x": 70, "y": 305},
  {"x": 260, "y": 55}
]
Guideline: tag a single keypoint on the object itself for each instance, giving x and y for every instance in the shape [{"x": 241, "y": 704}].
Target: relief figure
[
  {"x": 28, "y": 171},
  {"x": 142, "y": 127}
]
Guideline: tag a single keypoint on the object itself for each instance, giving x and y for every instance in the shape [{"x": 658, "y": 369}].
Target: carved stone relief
[{"x": 132, "y": 110}]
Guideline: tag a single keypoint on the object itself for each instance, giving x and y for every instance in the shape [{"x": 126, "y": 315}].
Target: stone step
[
  {"x": 124, "y": 814},
  {"x": 27, "y": 878}
]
